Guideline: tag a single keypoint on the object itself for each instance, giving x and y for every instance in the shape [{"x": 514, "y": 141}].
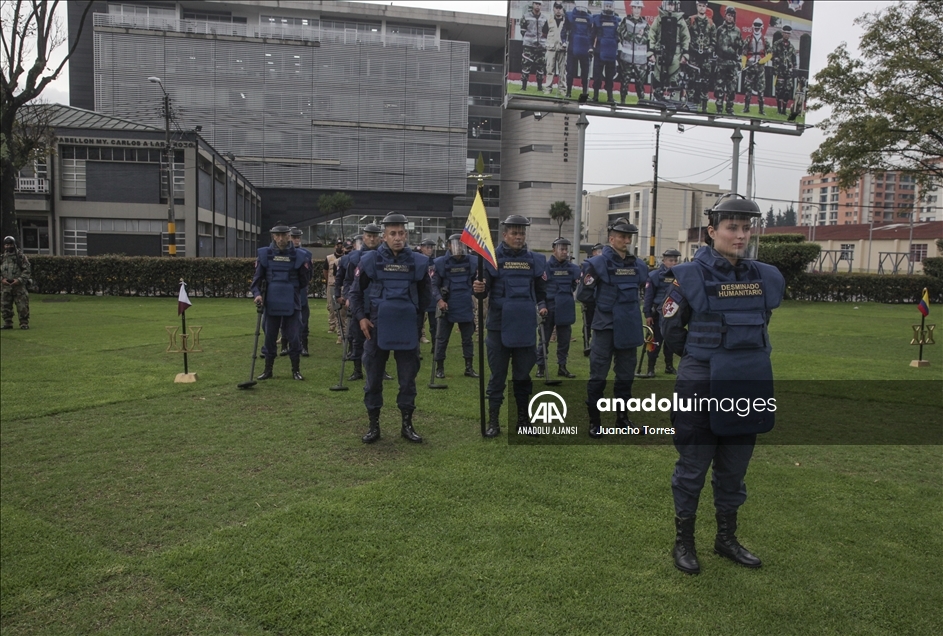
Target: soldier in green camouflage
[
  {"x": 756, "y": 53},
  {"x": 633, "y": 52},
  {"x": 701, "y": 54},
  {"x": 668, "y": 44},
  {"x": 728, "y": 47},
  {"x": 14, "y": 279},
  {"x": 784, "y": 65}
]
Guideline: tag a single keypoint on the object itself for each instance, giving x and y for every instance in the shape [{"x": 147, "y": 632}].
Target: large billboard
[{"x": 735, "y": 59}]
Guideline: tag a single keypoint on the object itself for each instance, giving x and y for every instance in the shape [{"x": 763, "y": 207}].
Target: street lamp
[{"x": 171, "y": 220}]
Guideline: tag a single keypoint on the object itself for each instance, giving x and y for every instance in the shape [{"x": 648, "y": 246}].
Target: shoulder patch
[
  {"x": 675, "y": 282},
  {"x": 670, "y": 308},
  {"x": 588, "y": 279}
]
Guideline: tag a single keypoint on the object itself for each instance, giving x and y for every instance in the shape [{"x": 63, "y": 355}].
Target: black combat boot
[
  {"x": 470, "y": 369},
  {"x": 440, "y": 368},
  {"x": 408, "y": 433},
  {"x": 387, "y": 376},
  {"x": 304, "y": 347},
  {"x": 269, "y": 363},
  {"x": 494, "y": 423},
  {"x": 726, "y": 544},
  {"x": 541, "y": 372},
  {"x": 746, "y": 103},
  {"x": 704, "y": 105},
  {"x": 358, "y": 371},
  {"x": 374, "y": 433},
  {"x": 284, "y": 351},
  {"x": 295, "y": 370},
  {"x": 622, "y": 94},
  {"x": 563, "y": 372},
  {"x": 523, "y": 421},
  {"x": 684, "y": 554},
  {"x": 622, "y": 419},
  {"x": 670, "y": 367},
  {"x": 609, "y": 94},
  {"x": 594, "y": 423},
  {"x": 762, "y": 112},
  {"x": 595, "y": 94}
]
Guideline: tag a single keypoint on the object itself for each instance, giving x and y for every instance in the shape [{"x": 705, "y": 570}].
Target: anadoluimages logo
[{"x": 550, "y": 409}]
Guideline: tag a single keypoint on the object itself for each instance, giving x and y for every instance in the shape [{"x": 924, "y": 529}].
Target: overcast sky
[{"x": 620, "y": 151}]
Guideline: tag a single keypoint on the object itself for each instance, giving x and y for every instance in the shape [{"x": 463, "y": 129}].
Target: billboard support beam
[
  {"x": 662, "y": 116},
  {"x": 581, "y": 125},
  {"x": 750, "y": 166},
  {"x": 737, "y": 136}
]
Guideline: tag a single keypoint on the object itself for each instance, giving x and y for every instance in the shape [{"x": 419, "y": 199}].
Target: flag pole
[
  {"x": 923, "y": 320},
  {"x": 183, "y": 333},
  {"x": 480, "y": 275}
]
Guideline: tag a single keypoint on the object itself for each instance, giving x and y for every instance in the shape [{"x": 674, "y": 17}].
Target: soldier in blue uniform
[
  {"x": 286, "y": 271},
  {"x": 656, "y": 288},
  {"x": 578, "y": 32},
  {"x": 427, "y": 249},
  {"x": 517, "y": 293},
  {"x": 296, "y": 234},
  {"x": 589, "y": 305},
  {"x": 606, "y": 45},
  {"x": 613, "y": 280},
  {"x": 715, "y": 317},
  {"x": 562, "y": 278},
  {"x": 391, "y": 287},
  {"x": 452, "y": 278},
  {"x": 369, "y": 242}
]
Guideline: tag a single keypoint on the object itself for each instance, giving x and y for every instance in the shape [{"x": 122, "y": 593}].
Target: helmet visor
[
  {"x": 457, "y": 247},
  {"x": 736, "y": 236}
]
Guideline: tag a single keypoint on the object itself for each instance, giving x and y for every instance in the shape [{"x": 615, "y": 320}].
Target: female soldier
[{"x": 715, "y": 318}]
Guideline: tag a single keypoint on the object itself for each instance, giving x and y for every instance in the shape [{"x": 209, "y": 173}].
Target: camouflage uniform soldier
[
  {"x": 15, "y": 274},
  {"x": 556, "y": 49},
  {"x": 728, "y": 49},
  {"x": 784, "y": 65},
  {"x": 756, "y": 53},
  {"x": 633, "y": 52},
  {"x": 703, "y": 41},
  {"x": 668, "y": 44},
  {"x": 534, "y": 31}
]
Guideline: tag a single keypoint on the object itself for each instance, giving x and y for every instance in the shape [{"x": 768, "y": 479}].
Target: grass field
[{"x": 133, "y": 505}]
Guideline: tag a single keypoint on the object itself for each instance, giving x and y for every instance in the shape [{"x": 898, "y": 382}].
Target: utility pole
[
  {"x": 171, "y": 218},
  {"x": 581, "y": 125},
  {"x": 651, "y": 242}
]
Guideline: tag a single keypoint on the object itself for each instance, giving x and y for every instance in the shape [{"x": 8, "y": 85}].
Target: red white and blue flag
[
  {"x": 476, "y": 234},
  {"x": 924, "y": 304}
]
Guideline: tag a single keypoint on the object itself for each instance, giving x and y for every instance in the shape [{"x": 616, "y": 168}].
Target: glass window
[{"x": 73, "y": 177}]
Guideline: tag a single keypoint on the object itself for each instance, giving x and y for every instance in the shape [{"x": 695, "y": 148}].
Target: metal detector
[
  {"x": 438, "y": 325},
  {"x": 251, "y": 382},
  {"x": 543, "y": 344},
  {"x": 340, "y": 324}
]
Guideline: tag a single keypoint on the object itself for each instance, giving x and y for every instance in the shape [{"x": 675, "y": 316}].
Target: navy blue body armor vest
[
  {"x": 394, "y": 296},
  {"x": 617, "y": 297},
  {"x": 457, "y": 276},
  {"x": 513, "y": 304},
  {"x": 281, "y": 277},
  {"x": 560, "y": 280}
]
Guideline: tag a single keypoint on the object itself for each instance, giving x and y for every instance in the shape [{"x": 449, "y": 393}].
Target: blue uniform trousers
[
  {"x": 564, "y": 334},
  {"x": 572, "y": 61},
  {"x": 601, "y": 357},
  {"x": 354, "y": 338},
  {"x": 290, "y": 327},
  {"x": 698, "y": 448},
  {"x": 433, "y": 323},
  {"x": 659, "y": 343},
  {"x": 374, "y": 366},
  {"x": 522, "y": 360},
  {"x": 445, "y": 333}
]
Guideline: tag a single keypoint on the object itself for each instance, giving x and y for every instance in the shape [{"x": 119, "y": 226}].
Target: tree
[
  {"x": 561, "y": 212},
  {"x": 31, "y": 31},
  {"x": 770, "y": 217},
  {"x": 887, "y": 104},
  {"x": 789, "y": 217},
  {"x": 336, "y": 205}
]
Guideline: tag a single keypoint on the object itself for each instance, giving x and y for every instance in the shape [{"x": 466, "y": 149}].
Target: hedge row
[
  {"x": 782, "y": 238},
  {"x": 790, "y": 258},
  {"x": 148, "y": 276},
  {"x": 878, "y": 288},
  {"x": 933, "y": 266}
]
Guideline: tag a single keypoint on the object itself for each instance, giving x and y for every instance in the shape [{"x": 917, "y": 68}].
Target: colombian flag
[
  {"x": 924, "y": 304},
  {"x": 476, "y": 234}
]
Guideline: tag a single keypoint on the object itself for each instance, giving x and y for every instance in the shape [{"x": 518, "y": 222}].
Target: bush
[
  {"x": 933, "y": 266},
  {"x": 782, "y": 238},
  {"x": 879, "y": 288},
  {"x": 790, "y": 258},
  {"x": 148, "y": 276}
]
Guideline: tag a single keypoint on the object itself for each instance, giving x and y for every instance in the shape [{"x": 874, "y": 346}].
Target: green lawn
[{"x": 133, "y": 505}]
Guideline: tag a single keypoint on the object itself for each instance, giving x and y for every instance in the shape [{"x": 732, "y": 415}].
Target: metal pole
[
  {"x": 750, "y": 167},
  {"x": 910, "y": 252},
  {"x": 171, "y": 220},
  {"x": 651, "y": 242},
  {"x": 737, "y": 136},
  {"x": 581, "y": 125}
]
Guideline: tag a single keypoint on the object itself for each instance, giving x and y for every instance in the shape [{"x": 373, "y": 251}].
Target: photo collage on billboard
[{"x": 732, "y": 59}]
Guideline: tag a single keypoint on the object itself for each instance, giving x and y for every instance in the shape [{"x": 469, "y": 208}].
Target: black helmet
[
  {"x": 733, "y": 205},
  {"x": 731, "y": 11},
  {"x": 428, "y": 243},
  {"x": 516, "y": 219},
  {"x": 9, "y": 239},
  {"x": 373, "y": 228},
  {"x": 455, "y": 237},
  {"x": 671, "y": 253},
  {"x": 296, "y": 231},
  {"x": 394, "y": 218},
  {"x": 561, "y": 241},
  {"x": 280, "y": 228},
  {"x": 622, "y": 225},
  {"x": 598, "y": 246}
]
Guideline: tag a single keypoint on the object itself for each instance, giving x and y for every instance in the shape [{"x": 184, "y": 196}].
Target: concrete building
[
  {"x": 104, "y": 191},
  {"x": 680, "y": 207},
  {"x": 885, "y": 197},
  {"x": 388, "y": 104},
  {"x": 892, "y": 248}
]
